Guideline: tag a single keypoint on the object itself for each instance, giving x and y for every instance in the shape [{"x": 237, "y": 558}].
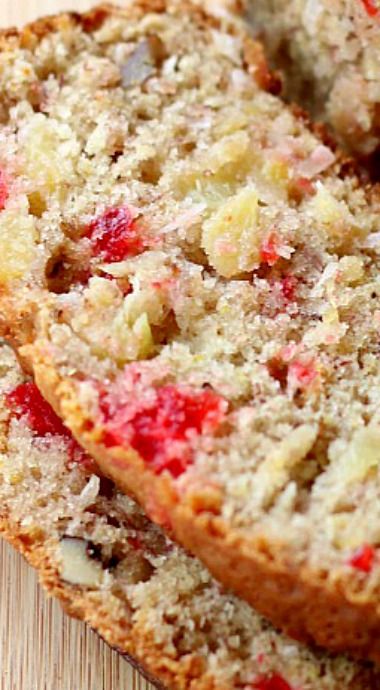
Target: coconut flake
[{"x": 321, "y": 159}]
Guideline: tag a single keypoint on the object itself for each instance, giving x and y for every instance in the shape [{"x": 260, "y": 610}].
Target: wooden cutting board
[{"x": 40, "y": 648}]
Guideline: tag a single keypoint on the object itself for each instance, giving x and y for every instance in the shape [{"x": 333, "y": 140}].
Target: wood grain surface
[{"x": 40, "y": 647}]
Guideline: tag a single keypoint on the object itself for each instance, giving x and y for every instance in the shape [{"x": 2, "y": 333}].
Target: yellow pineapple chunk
[
  {"x": 48, "y": 154},
  {"x": 360, "y": 457},
  {"x": 143, "y": 333},
  {"x": 18, "y": 238},
  {"x": 231, "y": 238},
  {"x": 326, "y": 208},
  {"x": 134, "y": 340},
  {"x": 335, "y": 215},
  {"x": 351, "y": 269},
  {"x": 223, "y": 163},
  {"x": 277, "y": 172}
]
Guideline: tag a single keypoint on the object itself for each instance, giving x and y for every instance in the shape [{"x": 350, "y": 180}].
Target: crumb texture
[
  {"x": 200, "y": 271},
  {"x": 96, "y": 550}
]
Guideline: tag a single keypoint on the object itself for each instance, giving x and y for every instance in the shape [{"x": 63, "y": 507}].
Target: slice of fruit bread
[
  {"x": 330, "y": 54},
  {"x": 96, "y": 551},
  {"x": 195, "y": 274}
]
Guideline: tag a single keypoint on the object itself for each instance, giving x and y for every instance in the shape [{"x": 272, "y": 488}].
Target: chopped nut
[
  {"x": 147, "y": 56},
  {"x": 77, "y": 567}
]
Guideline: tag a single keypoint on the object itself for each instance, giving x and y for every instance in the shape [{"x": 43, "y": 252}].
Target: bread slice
[
  {"x": 96, "y": 552},
  {"x": 330, "y": 54},
  {"x": 196, "y": 276}
]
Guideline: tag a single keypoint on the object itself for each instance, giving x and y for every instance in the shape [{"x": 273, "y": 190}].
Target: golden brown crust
[
  {"x": 31, "y": 34},
  {"x": 299, "y": 600},
  {"x": 256, "y": 61}
]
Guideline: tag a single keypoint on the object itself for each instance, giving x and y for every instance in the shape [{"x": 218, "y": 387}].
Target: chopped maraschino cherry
[
  {"x": 268, "y": 250},
  {"x": 363, "y": 558},
  {"x": 4, "y": 192},
  {"x": 288, "y": 288},
  {"x": 371, "y": 8},
  {"x": 114, "y": 235},
  {"x": 160, "y": 427},
  {"x": 26, "y": 401},
  {"x": 273, "y": 682},
  {"x": 302, "y": 374}
]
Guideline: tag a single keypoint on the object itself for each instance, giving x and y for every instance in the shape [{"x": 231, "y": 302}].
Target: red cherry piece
[
  {"x": 4, "y": 192},
  {"x": 371, "y": 8},
  {"x": 26, "y": 401},
  {"x": 135, "y": 543},
  {"x": 304, "y": 186},
  {"x": 273, "y": 682},
  {"x": 302, "y": 373},
  {"x": 288, "y": 288},
  {"x": 160, "y": 428},
  {"x": 114, "y": 235},
  {"x": 268, "y": 250},
  {"x": 363, "y": 558}
]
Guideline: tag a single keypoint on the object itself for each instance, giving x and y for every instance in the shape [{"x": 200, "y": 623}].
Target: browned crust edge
[
  {"x": 298, "y": 599},
  {"x": 137, "y": 647},
  {"x": 31, "y": 34}
]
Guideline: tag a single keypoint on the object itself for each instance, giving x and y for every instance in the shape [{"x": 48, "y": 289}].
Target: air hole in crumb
[
  {"x": 106, "y": 487},
  {"x": 113, "y": 521},
  {"x": 66, "y": 268},
  {"x": 37, "y": 204},
  {"x": 278, "y": 370},
  {"x": 116, "y": 155},
  {"x": 144, "y": 115},
  {"x": 166, "y": 331},
  {"x": 4, "y": 114},
  {"x": 59, "y": 274},
  {"x": 187, "y": 147},
  {"x": 150, "y": 171}
]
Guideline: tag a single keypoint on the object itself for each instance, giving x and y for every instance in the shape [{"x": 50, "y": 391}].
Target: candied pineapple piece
[
  {"x": 143, "y": 333},
  {"x": 350, "y": 269},
  {"x": 355, "y": 461},
  {"x": 149, "y": 301},
  {"x": 101, "y": 293},
  {"x": 335, "y": 215},
  {"x": 231, "y": 237},
  {"x": 325, "y": 207},
  {"x": 48, "y": 154},
  {"x": 277, "y": 172},
  {"x": 228, "y": 151},
  {"x": 231, "y": 120},
  {"x": 18, "y": 241},
  {"x": 225, "y": 161},
  {"x": 134, "y": 340}
]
